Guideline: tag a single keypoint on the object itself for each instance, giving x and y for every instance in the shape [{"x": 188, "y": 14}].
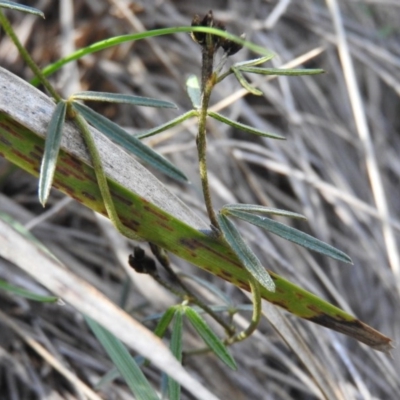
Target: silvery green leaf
[
  {"x": 244, "y": 127},
  {"x": 281, "y": 71},
  {"x": 19, "y": 7},
  {"x": 209, "y": 337},
  {"x": 129, "y": 142},
  {"x": 244, "y": 253},
  {"x": 256, "y": 209},
  {"x": 122, "y": 98},
  {"x": 293, "y": 235},
  {"x": 51, "y": 149},
  {"x": 167, "y": 125},
  {"x": 125, "y": 363},
  {"x": 194, "y": 91}
]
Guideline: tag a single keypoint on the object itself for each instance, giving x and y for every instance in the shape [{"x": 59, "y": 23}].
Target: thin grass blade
[
  {"x": 281, "y": 71},
  {"x": 167, "y": 125},
  {"x": 20, "y": 7},
  {"x": 293, "y": 235},
  {"x": 122, "y": 98},
  {"x": 26, "y": 293},
  {"x": 256, "y": 209},
  {"x": 244, "y": 253},
  {"x": 129, "y": 142},
  {"x": 51, "y": 149},
  {"x": 125, "y": 363},
  {"x": 174, "y": 389},
  {"x": 194, "y": 91},
  {"x": 243, "y": 127},
  {"x": 210, "y": 338},
  {"x": 27, "y": 233}
]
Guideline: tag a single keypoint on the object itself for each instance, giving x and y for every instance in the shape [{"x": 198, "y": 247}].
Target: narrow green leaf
[
  {"x": 251, "y": 63},
  {"x": 246, "y": 85},
  {"x": 282, "y": 71},
  {"x": 244, "y": 253},
  {"x": 174, "y": 389},
  {"x": 243, "y": 127},
  {"x": 256, "y": 209},
  {"x": 122, "y": 98},
  {"x": 164, "y": 127},
  {"x": 109, "y": 42},
  {"x": 293, "y": 235},
  {"x": 194, "y": 91},
  {"x": 164, "y": 322},
  {"x": 51, "y": 149},
  {"x": 20, "y": 7},
  {"x": 176, "y": 337},
  {"x": 129, "y": 142},
  {"x": 125, "y": 363},
  {"x": 26, "y": 293},
  {"x": 209, "y": 337}
]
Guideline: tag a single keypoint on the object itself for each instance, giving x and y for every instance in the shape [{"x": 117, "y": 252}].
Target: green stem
[
  {"x": 207, "y": 84},
  {"x": 223, "y": 76},
  {"x": 101, "y": 178},
  {"x": 255, "y": 319},
  {"x": 26, "y": 57}
]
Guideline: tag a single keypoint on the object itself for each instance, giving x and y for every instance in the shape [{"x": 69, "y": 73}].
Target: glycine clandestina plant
[{"x": 243, "y": 267}]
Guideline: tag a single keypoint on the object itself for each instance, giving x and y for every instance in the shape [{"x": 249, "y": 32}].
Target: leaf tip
[
  {"x": 269, "y": 284},
  {"x": 43, "y": 192},
  {"x": 43, "y": 200}
]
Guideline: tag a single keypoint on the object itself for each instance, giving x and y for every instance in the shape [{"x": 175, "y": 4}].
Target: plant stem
[
  {"x": 26, "y": 57},
  {"x": 255, "y": 319},
  {"x": 101, "y": 177},
  {"x": 207, "y": 84}
]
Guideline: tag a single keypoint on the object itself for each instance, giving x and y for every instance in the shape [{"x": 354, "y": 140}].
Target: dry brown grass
[{"x": 339, "y": 167}]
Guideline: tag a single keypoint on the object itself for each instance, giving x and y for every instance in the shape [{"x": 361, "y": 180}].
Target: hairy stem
[
  {"x": 207, "y": 84},
  {"x": 101, "y": 178},
  {"x": 255, "y": 319}
]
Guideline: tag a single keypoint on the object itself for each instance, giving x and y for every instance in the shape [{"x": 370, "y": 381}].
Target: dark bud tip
[
  {"x": 138, "y": 253},
  {"x": 207, "y": 21},
  {"x": 141, "y": 263},
  {"x": 230, "y": 47}
]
